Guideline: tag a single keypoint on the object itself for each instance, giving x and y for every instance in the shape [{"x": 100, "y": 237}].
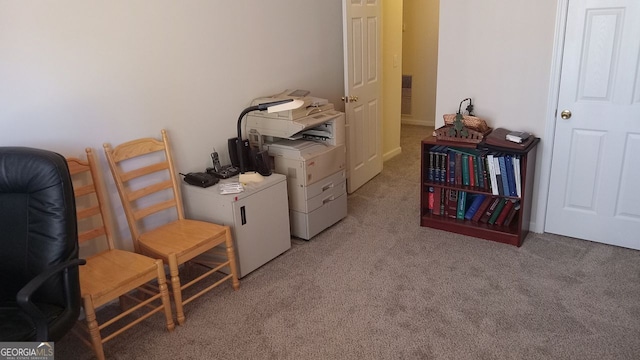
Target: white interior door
[
  {"x": 362, "y": 79},
  {"x": 594, "y": 192}
]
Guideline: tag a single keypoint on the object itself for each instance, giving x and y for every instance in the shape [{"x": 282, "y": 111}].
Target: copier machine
[{"x": 308, "y": 146}]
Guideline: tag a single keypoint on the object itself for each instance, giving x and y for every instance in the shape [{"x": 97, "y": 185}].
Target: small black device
[
  {"x": 262, "y": 162},
  {"x": 200, "y": 179},
  {"x": 232, "y": 143},
  {"x": 215, "y": 159},
  {"x": 220, "y": 171},
  {"x": 225, "y": 172}
]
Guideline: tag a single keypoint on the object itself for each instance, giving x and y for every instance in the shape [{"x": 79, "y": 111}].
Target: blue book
[
  {"x": 510, "y": 176},
  {"x": 438, "y": 163},
  {"x": 432, "y": 163},
  {"x": 475, "y": 205},
  {"x": 443, "y": 165},
  {"x": 480, "y": 160},
  {"x": 503, "y": 174}
]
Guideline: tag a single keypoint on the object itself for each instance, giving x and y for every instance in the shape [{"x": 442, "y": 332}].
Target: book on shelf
[
  {"x": 442, "y": 199},
  {"x": 458, "y": 169},
  {"x": 505, "y": 211},
  {"x": 434, "y": 203},
  {"x": 492, "y": 174},
  {"x": 430, "y": 167},
  {"x": 436, "y": 164},
  {"x": 462, "y": 204},
  {"x": 473, "y": 174},
  {"x": 451, "y": 169},
  {"x": 497, "y": 210},
  {"x": 482, "y": 175},
  {"x": 503, "y": 173},
  {"x": 508, "y": 159},
  {"x": 482, "y": 208},
  {"x": 465, "y": 169},
  {"x": 443, "y": 165},
  {"x": 451, "y": 204},
  {"x": 516, "y": 171},
  {"x": 512, "y": 214},
  {"x": 476, "y": 201},
  {"x": 496, "y": 168},
  {"x": 430, "y": 200},
  {"x": 490, "y": 209}
]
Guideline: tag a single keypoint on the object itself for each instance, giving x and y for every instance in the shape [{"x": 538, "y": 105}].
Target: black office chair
[{"x": 39, "y": 284}]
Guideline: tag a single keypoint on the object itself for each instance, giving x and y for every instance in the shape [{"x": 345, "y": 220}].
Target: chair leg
[
  {"x": 123, "y": 303},
  {"x": 164, "y": 295},
  {"x": 175, "y": 285},
  {"x": 92, "y": 324},
  {"x": 232, "y": 260}
]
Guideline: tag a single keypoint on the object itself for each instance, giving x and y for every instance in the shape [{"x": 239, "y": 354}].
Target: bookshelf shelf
[{"x": 443, "y": 187}]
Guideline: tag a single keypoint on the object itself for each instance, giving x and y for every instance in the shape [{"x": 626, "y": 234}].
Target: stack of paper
[{"x": 231, "y": 188}]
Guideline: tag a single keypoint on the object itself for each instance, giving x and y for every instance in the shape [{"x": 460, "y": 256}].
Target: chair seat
[
  {"x": 112, "y": 273},
  {"x": 186, "y": 238},
  {"x": 15, "y": 325}
]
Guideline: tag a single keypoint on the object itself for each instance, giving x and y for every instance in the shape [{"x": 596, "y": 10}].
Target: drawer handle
[
  {"x": 327, "y": 187},
  {"x": 327, "y": 199}
]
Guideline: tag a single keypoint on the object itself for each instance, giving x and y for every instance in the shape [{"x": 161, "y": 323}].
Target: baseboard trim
[
  {"x": 391, "y": 154},
  {"x": 416, "y": 122}
]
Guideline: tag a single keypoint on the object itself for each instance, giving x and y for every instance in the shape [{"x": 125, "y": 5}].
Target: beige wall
[
  {"x": 392, "y": 74},
  {"x": 420, "y": 58},
  {"x": 499, "y": 53},
  {"x": 75, "y": 74}
]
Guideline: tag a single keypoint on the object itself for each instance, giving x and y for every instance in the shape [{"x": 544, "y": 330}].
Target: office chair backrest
[
  {"x": 146, "y": 161},
  {"x": 37, "y": 220}
]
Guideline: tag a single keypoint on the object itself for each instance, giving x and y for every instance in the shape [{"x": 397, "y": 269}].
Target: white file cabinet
[{"x": 258, "y": 217}]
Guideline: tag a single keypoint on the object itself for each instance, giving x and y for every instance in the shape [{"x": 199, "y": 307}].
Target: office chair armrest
[{"x": 23, "y": 298}]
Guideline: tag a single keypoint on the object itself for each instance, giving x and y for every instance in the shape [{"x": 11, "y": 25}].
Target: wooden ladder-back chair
[
  {"x": 145, "y": 176},
  {"x": 111, "y": 273}
]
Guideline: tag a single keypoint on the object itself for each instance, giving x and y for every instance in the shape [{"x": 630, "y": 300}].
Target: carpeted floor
[{"x": 378, "y": 286}]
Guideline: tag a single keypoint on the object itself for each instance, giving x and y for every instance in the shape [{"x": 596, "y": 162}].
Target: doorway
[{"x": 420, "y": 25}]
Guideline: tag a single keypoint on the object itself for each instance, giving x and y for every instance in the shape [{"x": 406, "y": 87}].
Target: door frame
[{"x": 551, "y": 118}]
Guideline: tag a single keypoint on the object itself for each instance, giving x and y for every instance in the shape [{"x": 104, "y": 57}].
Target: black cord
[{"x": 469, "y": 107}]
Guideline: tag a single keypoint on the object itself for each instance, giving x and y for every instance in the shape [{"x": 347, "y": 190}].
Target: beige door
[
  {"x": 362, "y": 78},
  {"x": 594, "y": 191}
]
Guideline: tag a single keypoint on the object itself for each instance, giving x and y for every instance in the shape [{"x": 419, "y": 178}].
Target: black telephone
[{"x": 219, "y": 171}]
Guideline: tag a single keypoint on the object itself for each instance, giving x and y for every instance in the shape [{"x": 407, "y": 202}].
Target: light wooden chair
[
  {"x": 145, "y": 176},
  {"x": 110, "y": 273}
]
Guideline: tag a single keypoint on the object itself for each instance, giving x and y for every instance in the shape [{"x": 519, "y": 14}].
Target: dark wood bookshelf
[{"x": 514, "y": 233}]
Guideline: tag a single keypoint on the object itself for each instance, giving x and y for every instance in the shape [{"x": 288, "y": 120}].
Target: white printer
[{"x": 308, "y": 146}]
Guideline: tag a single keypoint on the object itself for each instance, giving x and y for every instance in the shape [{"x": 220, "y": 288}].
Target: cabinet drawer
[
  {"x": 301, "y": 196},
  {"x": 329, "y": 194},
  {"x": 308, "y": 225},
  {"x": 327, "y": 184}
]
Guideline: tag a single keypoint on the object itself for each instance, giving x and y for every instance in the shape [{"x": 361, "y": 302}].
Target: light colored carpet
[{"x": 378, "y": 286}]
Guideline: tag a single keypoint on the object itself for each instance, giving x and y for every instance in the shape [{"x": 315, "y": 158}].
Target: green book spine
[
  {"x": 465, "y": 169},
  {"x": 495, "y": 214},
  {"x": 462, "y": 204}
]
